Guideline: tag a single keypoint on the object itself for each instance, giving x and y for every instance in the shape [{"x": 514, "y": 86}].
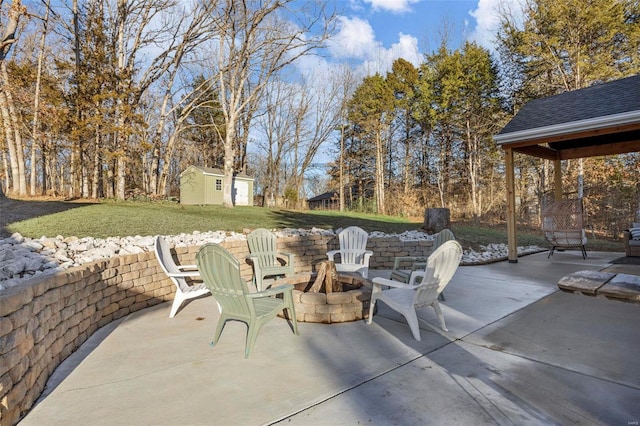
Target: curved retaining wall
[{"x": 45, "y": 319}]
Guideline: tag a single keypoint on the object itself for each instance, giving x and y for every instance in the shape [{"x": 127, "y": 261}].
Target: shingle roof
[
  {"x": 220, "y": 172},
  {"x": 326, "y": 196},
  {"x": 614, "y": 97}
]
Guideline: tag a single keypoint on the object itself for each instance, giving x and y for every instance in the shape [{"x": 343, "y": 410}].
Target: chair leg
[
  {"x": 412, "y": 319},
  {"x": 294, "y": 320},
  {"x": 372, "y": 307},
  {"x": 436, "y": 307},
  {"x": 178, "y": 299},
  {"x": 553, "y": 248},
  {"x": 219, "y": 327},
  {"x": 252, "y": 334},
  {"x": 291, "y": 310}
]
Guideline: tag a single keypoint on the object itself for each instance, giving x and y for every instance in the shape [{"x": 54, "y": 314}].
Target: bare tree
[
  {"x": 188, "y": 32},
  {"x": 254, "y": 43},
  {"x": 315, "y": 127},
  {"x": 7, "y": 108},
  {"x": 277, "y": 124},
  {"x": 36, "y": 106}
]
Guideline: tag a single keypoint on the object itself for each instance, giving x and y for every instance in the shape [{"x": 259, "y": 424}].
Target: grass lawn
[{"x": 35, "y": 218}]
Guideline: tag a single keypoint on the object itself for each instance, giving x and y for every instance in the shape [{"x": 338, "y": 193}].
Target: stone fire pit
[{"x": 350, "y": 303}]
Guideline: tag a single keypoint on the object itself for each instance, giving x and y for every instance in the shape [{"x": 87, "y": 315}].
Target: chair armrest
[
  {"x": 396, "y": 262},
  {"x": 273, "y": 291},
  {"x": 332, "y": 254},
  {"x": 289, "y": 256},
  {"x": 184, "y": 274},
  {"x": 188, "y": 267},
  {"x": 379, "y": 281},
  {"x": 419, "y": 274},
  {"x": 418, "y": 266}
]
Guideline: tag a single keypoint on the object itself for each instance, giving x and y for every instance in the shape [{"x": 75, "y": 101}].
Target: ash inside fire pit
[{"x": 347, "y": 298}]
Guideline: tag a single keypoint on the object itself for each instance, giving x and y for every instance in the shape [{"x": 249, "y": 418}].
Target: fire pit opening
[{"x": 329, "y": 297}]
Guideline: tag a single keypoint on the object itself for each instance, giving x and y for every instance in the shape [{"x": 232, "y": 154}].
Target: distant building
[
  {"x": 328, "y": 201},
  {"x": 203, "y": 185}
]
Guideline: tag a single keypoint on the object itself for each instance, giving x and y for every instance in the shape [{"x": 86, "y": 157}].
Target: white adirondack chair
[
  {"x": 423, "y": 287},
  {"x": 178, "y": 274},
  {"x": 418, "y": 262},
  {"x": 354, "y": 256}
]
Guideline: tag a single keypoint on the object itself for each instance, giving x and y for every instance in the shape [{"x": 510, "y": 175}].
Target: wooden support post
[
  {"x": 511, "y": 207},
  {"x": 557, "y": 179}
]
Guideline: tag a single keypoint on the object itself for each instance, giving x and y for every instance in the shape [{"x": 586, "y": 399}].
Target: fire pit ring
[{"x": 351, "y": 304}]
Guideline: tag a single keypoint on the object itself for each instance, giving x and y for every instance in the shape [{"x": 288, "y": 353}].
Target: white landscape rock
[{"x": 23, "y": 258}]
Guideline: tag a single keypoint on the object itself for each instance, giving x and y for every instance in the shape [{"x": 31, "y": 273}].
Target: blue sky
[{"x": 373, "y": 33}]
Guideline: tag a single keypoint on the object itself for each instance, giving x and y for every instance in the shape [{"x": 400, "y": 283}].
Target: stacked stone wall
[{"x": 45, "y": 319}]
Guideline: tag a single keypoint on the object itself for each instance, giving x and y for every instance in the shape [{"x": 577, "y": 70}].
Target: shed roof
[
  {"x": 598, "y": 120},
  {"x": 217, "y": 172}
]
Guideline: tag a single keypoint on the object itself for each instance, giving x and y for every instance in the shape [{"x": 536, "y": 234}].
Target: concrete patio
[{"x": 519, "y": 351}]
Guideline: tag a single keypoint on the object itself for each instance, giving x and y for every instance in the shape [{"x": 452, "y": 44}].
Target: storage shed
[{"x": 203, "y": 185}]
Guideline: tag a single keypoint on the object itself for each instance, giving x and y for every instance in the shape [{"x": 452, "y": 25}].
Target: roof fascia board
[
  {"x": 568, "y": 128},
  {"x": 594, "y": 151}
]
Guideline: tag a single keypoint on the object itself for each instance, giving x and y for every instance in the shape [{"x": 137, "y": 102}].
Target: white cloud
[
  {"x": 407, "y": 48},
  {"x": 381, "y": 59},
  {"x": 487, "y": 16},
  {"x": 354, "y": 40},
  {"x": 394, "y": 6}
]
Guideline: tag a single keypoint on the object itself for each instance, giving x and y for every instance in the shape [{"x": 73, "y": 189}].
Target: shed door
[{"x": 242, "y": 193}]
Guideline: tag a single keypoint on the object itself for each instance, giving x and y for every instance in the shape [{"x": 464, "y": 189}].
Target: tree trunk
[
  {"x": 36, "y": 107},
  {"x": 11, "y": 145},
  {"x": 436, "y": 219},
  {"x": 97, "y": 170},
  {"x": 19, "y": 180},
  {"x": 227, "y": 181},
  {"x": 379, "y": 174}
]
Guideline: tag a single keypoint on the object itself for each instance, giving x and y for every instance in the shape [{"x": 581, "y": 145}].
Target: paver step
[{"x": 611, "y": 285}]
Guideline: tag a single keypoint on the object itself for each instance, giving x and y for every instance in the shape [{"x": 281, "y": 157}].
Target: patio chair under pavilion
[{"x": 603, "y": 119}]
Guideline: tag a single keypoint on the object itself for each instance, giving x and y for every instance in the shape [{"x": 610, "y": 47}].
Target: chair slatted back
[
  {"x": 168, "y": 265},
  {"x": 163, "y": 253},
  {"x": 220, "y": 271},
  {"x": 263, "y": 244},
  {"x": 442, "y": 237},
  {"x": 353, "y": 244},
  {"x": 441, "y": 266}
]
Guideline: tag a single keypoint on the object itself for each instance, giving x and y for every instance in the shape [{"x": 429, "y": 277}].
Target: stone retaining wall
[{"x": 45, "y": 319}]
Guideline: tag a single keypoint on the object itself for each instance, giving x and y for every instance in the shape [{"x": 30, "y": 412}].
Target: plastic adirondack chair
[
  {"x": 266, "y": 259},
  {"x": 178, "y": 274},
  {"x": 418, "y": 262},
  {"x": 221, "y": 274},
  {"x": 423, "y": 287},
  {"x": 354, "y": 256}
]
